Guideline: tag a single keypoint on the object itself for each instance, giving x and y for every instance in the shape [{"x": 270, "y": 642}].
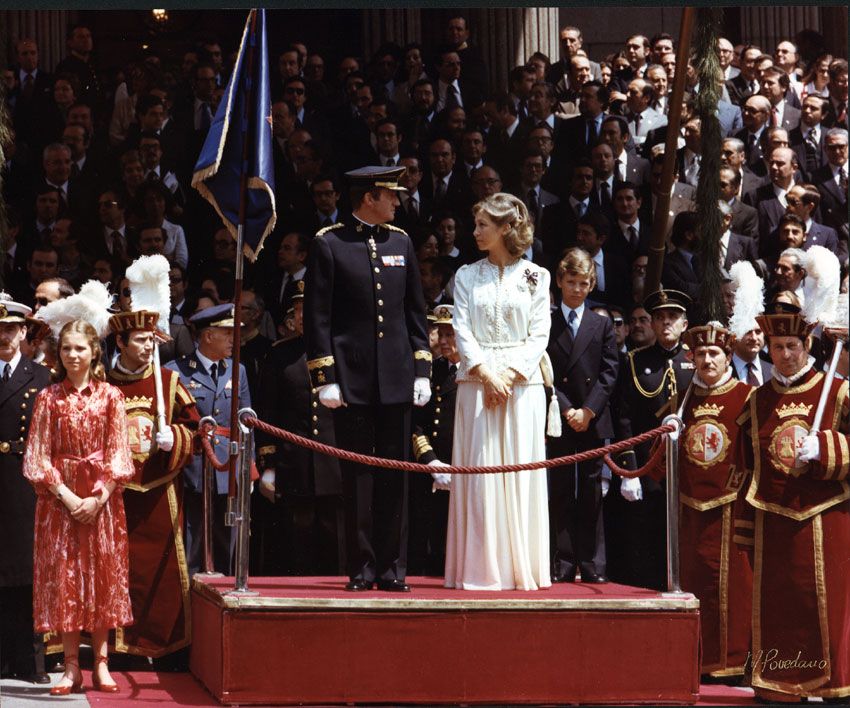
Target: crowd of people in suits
[{"x": 97, "y": 172}]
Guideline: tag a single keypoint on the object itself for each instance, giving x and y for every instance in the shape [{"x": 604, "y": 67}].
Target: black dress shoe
[
  {"x": 393, "y": 586},
  {"x": 38, "y": 677},
  {"x": 358, "y": 586},
  {"x": 568, "y": 577},
  {"x": 593, "y": 578}
]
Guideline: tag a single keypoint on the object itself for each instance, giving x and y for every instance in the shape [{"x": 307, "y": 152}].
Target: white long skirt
[{"x": 498, "y": 535}]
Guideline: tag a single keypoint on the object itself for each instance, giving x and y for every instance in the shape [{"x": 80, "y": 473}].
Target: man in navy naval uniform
[
  {"x": 21, "y": 650},
  {"x": 368, "y": 357},
  {"x": 207, "y": 374}
]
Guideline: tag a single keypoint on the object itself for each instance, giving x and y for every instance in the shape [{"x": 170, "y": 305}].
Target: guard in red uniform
[
  {"x": 711, "y": 481},
  {"x": 153, "y": 501},
  {"x": 799, "y": 490}
]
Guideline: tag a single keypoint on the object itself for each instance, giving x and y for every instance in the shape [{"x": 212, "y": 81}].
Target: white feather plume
[
  {"x": 91, "y": 304},
  {"x": 841, "y": 315},
  {"x": 749, "y": 298},
  {"x": 821, "y": 286},
  {"x": 149, "y": 287}
]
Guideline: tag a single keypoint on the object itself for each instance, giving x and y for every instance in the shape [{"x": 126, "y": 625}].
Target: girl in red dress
[{"x": 77, "y": 458}]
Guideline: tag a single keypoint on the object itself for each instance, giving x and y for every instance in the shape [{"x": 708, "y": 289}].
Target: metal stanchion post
[
  {"x": 207, "y": 497},
  {"x": 243, "y": 511},
  {"x": 672, "y": 442}
]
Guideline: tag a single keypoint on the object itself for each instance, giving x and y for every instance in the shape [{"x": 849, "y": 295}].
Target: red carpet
[{"x": 142, "y": 688}]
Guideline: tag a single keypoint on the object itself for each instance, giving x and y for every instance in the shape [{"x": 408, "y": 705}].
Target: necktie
[
  {"x": 522, "y": 109},
  {"x": 774, "y": 117},
  {"x": 752, "y": 143},
  {"x": 75, "y": 170},
  {"x": 327, "y": 222},
  {"x": 591, "y": 132},
  {"x": 842, "y": 178},
  {"x": 117, "y": 244},
  {"x": 440, "y": 191},
  {"x": 451, "y": 97},
  {"x": 618, "y": 170},
  {"x": 811, "y": 148},
  {"x": 632, "y": 236},
  {"x": 390, "y": 162},
  {"x": 606, "y": 197},
  {"x": 571, "y": 323},
  {"x": 413, "y": 207},
  {"x": 533, "y": 203},
  {"x": 752, "y": 87},
  {"x": 27, "y": 87},
  {"x": 637, "y": 123},
  {"x": 752, "y": 379},
  {"x": 7, "y": 372},
  {"x": 580, "y": 210},
  {"x": 841, "y": 113},
  {"x": 206, "y": 117}
]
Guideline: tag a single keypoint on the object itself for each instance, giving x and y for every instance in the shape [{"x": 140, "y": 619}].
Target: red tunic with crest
[
  {"x": 713, "y": 567},
  {"x": 801, "y": 582},
  {"x": 79, "y": 438},
  {"x": 153, "y": 501}
]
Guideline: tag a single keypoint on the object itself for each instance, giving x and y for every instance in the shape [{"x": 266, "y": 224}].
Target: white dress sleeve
[
  {"x": 470, "y": 352},
  {"x": 526, "y": 359}
]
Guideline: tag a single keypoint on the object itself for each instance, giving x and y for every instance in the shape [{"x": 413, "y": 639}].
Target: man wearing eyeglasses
[
  {"x": 118, "y": 241},
  {"x": 755, "y": 115},
  {"x": 295, "y": 92}
]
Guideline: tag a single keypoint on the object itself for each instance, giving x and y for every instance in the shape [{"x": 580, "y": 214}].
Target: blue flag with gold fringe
[{"x": 244, "y": 114}]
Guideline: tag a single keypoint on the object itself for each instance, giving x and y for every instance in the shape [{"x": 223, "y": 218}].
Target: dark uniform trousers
[
  {"x": 21, "y": 651},
  {"x": 432, "y": 440},
  {"x": 375, "y": 498},
  {"x": 640, "y": 527}
]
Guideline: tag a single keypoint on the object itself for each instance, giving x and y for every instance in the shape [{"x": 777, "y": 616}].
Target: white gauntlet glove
[
  {"x": 330, "y": 396},
  {"x": 421, "y": 391},
  {"x": 267, "y": 485},
  {"x": 809, "y": 449},
  {"x": 442, "y": 480},
  {"x": 165, "y": 439},
  {"x": 630, "y": 489}
]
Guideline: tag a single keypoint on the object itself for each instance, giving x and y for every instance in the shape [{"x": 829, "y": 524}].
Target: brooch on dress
[{"x": 531, "y": 279}]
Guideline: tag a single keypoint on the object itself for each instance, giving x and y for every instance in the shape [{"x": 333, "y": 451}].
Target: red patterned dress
[{"x": 80, "y": 574}]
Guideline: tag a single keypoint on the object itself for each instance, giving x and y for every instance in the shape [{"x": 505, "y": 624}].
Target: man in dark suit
[
  {"x": 601, "y": 195},
  {"x": 679, "y": 271},
  {"x": 804, "y": 202},
  {"x": 114, "y": 239},
  {"x": 756, "y": 116},
  {"x": 413, "y": 212},
  {"x": 748, "y": 364},
  {"x": 831, "y": 182},
  {"x": 585, "y": 363},
  {"x": 770, "y": 198},
  {"x": 557, "y": 226},
  {"x": 613, "y": 271},
  {"x": 21, "y": 379},
  {"x": 745, "y": 218},
  {"x": 581, "y": 134},
  {"x": 368, "y": 356},
  {"x": 541, "y": 110},
  {"x": 529, "y": 189},
  {"x": 808, "y": 140},
  {"x": 571, "y": 42},
  {"x": 207, "y": 375},
  {"x": 76, "y": 198},
  {"x": 506, "y": 139},
  {"x": 631, "y": 234},
  {"x": 452, "y": 90},
  {"x": 745, "y": 84},
  {"x": 775, "y": 87},
  {"x": 837, "y": 115},
  {"x": 627, "y": 166},
  {"x": 327, "y": 209},
  {"x": 303, "y": 533},
  {"x": 445, "y": 187},
  {"x": 32, "y": 93}
]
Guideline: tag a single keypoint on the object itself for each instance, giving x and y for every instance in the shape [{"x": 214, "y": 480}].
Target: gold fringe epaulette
[
  {"x": 323, "y": 231},
  {"x": 390, "y": 227}
]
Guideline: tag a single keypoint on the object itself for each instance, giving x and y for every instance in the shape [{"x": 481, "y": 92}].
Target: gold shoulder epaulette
[
  {"x": 323, "y": 231},
  {"x": 632, "y": 352},
  {"x": 390, "y": 227}
]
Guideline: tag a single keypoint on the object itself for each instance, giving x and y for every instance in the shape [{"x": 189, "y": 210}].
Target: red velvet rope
[
  {"x": 209, "y": 451},
  {"x": 417, "y": 467},
  {"x": 631, "y": 474}
]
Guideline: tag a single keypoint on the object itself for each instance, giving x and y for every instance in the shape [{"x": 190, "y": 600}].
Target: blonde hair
[
  {"x": 96, "y": 368},
  {"x": 577, "y": 261},
  {"x": 505, "y": 209}
]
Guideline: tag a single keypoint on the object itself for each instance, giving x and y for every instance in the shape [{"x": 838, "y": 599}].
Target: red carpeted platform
[{"x": 307, "y": 641}]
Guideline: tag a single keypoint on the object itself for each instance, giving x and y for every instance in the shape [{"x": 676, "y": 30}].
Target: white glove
[
  {"x": 330, "y": 396},
  {"x": 442, "y": 480},
  {"x": 605, "y": 485},
  {"x": 630, "y": 489},
  {"x": 267, "y": 485},
  {"x": 165, "y": 439},
  {"x": 809, "y": 449},
  {"x": 421, "y": 391}
]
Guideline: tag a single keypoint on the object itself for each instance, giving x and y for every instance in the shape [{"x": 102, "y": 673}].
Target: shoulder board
[
  {"x": 632, "y": 352},
  {"x": 322, "y": 232},
  {"x": 390, "y": 227},
  {"x": 283, "y": 340}
]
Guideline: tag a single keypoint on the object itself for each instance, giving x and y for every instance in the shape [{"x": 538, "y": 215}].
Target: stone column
[
  {"x": 766, "y": 26},
  {"x": 47, "y": 27},
  {"x": 508, "y": 37}
]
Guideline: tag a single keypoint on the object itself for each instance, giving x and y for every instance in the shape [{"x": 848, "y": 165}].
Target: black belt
[{"x": 13, "y": 447}]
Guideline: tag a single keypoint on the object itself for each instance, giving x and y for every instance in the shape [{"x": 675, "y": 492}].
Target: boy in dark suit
[{"x": 583, "y": 350}]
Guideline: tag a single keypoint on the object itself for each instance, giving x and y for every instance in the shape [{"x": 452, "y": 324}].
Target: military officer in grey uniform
[
  {"x": 207, "y": 375},
  {"x": 652, "y": 384},
  {"x": 433, "y": 432},
  {"x": 21, "y": 651},
  {"x": 368, "y": 357}
]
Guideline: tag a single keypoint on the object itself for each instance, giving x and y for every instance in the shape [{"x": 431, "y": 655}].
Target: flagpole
[{"x": 247, "y": 125}]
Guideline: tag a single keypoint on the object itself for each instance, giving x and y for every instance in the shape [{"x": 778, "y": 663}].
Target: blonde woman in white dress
[{"x": 498, "y": 535}]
